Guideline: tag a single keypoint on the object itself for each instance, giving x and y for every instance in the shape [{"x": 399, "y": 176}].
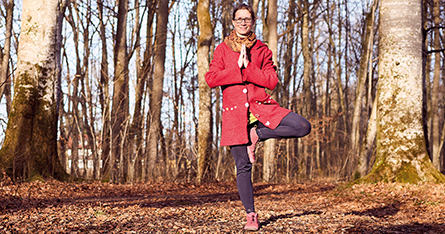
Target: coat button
[
  {"x": 244, "y": 90},
  {"x": 247, "y": 104}
]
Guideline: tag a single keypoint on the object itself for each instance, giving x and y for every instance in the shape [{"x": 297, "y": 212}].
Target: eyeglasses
[{"x": 248, "y": 20}]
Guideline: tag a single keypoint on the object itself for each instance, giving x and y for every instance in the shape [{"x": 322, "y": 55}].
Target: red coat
[{"x": 244, "y": 90}]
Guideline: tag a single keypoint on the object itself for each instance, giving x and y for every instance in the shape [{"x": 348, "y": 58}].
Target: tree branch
[
  {"x": 435, "y": 51},
  {"x": 432, "y": 28}
]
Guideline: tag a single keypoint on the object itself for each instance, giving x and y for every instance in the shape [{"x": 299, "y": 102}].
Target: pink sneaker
[
  {"x": 251, "y": 148},
  {"x": 252, "y": 222}
]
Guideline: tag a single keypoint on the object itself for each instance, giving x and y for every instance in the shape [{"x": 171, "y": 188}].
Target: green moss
[
  {"x": 357, "y": 175},
  {"x": 407, "y": 173},
  {"x": 439, "y": 177},
  {"x": 378, "y": 173},
  {"x": 36, "y": 177}
]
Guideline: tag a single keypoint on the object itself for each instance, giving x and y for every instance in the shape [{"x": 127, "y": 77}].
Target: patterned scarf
[{"x": 235, "y": 42}]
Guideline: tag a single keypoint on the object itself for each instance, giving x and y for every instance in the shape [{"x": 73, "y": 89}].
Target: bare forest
[{"x": 129, "y": 104}]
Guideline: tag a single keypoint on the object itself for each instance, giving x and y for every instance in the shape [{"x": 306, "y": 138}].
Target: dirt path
[{"x": 55, "y": 207}]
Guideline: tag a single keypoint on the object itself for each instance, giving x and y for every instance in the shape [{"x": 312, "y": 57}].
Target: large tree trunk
[
  {"x": 368, "y": 38},
  {"x": 104, "y": 94},
  {"x": 205, "y": 114},
  {"x": 289, "y": 55},
  {"x": 401, "y": 153},
  {"x": 338, "y": 72},
  {"x": 227, "y": 27},
  {"x": 135, "y": 137},
  {"x": 120, "y": 108},
  {"x": 434, "y": 131},
  {"x": 270, "y": 145},
  {"x": 157, "y": 88},
  {"x": 148, "y": 72},
  {"x": 288, "y": 76},
  {"x": 307, "y": 71},
  {"x": 226, "y": 17},
  {"x": 30, "y": 147},
  {"x": 5, "y": 81},
  {"x": 75, "y": 127},
  {"x": 365, "y": 155}
]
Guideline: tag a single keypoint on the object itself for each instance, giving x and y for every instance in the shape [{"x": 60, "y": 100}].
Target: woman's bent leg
[
  {"x": 292, "y": 125},
  {"x": 243, "y": 176}
]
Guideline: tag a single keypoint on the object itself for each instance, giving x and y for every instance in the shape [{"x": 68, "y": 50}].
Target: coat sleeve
[
  {"x": 223, "y": 69},
  {"x": 266, "y": 75}
]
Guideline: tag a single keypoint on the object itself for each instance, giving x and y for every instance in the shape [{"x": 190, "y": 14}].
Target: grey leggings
[{"x": 292, "y": 125}]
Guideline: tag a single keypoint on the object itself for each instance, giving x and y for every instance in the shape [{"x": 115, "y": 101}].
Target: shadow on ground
[{"x": 193, "y": 195}]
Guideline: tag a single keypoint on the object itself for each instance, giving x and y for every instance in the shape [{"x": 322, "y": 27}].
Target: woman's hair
[{"x": 244, "y": 6}]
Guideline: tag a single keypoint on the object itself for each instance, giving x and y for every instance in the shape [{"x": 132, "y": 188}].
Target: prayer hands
[{"x": 243, "y": 60}]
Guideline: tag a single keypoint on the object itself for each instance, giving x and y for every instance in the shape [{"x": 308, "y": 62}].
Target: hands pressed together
[{"x": 243, "y": 59}]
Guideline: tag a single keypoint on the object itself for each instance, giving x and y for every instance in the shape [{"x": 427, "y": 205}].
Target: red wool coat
[{"x": 244, "y": 90}]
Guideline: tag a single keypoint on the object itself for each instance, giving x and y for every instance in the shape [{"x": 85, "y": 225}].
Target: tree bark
[
  {"x": 205, "y": 114},
  {"x": 104, "y": 94},
  {"x": 270, "y": 144},
  {"x": 307, "y": 71},
  {"x": 365, "y": 158},
  {"x": 401, "y": 153},
  {"x": 157, "y": 88},
  {"x": 434, "y": 131},
  {"x": 5, "y": 81},
  {"x": 289, "y": 54},
  {"x": 30, "y": 147},
  {"x": 120, "y": 108},
  {"x": 366, "y": 56}
]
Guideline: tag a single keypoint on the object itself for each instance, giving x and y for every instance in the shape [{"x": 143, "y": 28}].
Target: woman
[{"x": 242, "y": 65}]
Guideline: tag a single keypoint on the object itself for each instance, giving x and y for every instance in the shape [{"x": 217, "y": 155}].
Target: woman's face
[{"x": 243, "y": 22}]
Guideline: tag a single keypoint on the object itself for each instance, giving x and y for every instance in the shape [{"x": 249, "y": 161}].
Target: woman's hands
[{"x": 243, "y": 59}]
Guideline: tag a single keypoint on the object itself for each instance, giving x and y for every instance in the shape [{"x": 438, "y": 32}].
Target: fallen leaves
[{"x": 96, "y": 207}]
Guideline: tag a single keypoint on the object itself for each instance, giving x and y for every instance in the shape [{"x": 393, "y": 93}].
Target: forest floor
[{"x": 322, "y": 207}]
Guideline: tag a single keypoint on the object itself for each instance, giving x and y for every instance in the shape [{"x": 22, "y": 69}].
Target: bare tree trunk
[
  {"x": 270, "y": 144},
  {"x": 366, "y": 56},
  {"x": 401, "y": 145},
  {"x": 365, "y": 157},
  {"x": 87, "y": 102},
  {"x": 30, "y": 147},
  {"x": 338, "y": 71},
  {"x": 205, "y": 114},
  {"x": 5, "y": 81},
  {"x": 434, "y": 131},
  {"x": 227, "y": 23},
  {"x": 120, "y": 108},
  {"x": 254, "y": 5},
  {"x": 326, "y": 153},
  {"x": 135, "y": 135},
  {"x": 76, "y": 131},
  {"x": 226, "y": 17},
  {"x": 147, "y": 70},
  {"x": 291, "y": 47},
  {"x": 104, "y": 95},
  {"x": 75, "y": 125},
  {"x": 157, "y": 88},
  {"x": 289, "y": 55},
  {"x": 307, "y": 71}
]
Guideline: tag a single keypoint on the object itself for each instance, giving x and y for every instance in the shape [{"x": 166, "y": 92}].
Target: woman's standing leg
[
  {"x": 244, "y": 183},
  {"x": 243, "y": 176}
]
